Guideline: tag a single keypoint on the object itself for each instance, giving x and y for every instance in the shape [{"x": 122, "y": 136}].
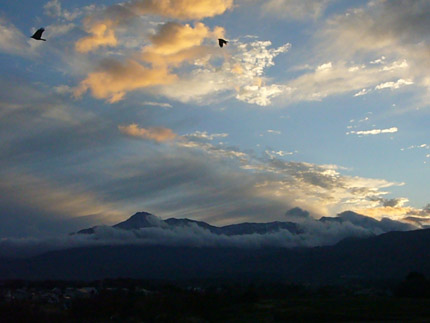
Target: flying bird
[
  {"x": 38, "y": 34},
  {"x": 221, "y": 42}
]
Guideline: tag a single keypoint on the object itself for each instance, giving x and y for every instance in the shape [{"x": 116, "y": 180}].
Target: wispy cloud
[
  {"x": 280, "y": 153},
  {"x": 157, "y": 134},
  {"x": 393, "y": 85},
  {"x": 362, "y": 92},
  {"x": 338, "y": 78},
  {"x": 393, "y": 31},
  {"x": 320, "y": 188},
  {"x": 422, "y": 146},
  {"x": 373, "y": 131},
  {"x": 158, "y": 104},
  {"x": 296, "y": 9},
  {"x": 204, "y": 135},
  {"x": 54, "y": 9},
  {"x": 13, "y": 41},
  {"x": 100, "y": 35},
  {"x": 241, "y": 75}
]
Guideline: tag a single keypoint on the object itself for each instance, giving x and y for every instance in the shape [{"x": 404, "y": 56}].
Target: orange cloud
[
  {"x": 409, "y": 214},
  {"x": 101, "y": 34},
  {"x": 173, "y": 45},
  {"x": 181, "y": 9},
  {"x": 114, "y": 79},
  {"x": 176, "y": 43},
  {"x": 174, "y": 37},
  {"x": 158, "y": 134},
  {"x": 396, "y": 213}
]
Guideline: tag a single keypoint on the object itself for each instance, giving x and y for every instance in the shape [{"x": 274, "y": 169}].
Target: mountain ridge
[
  {"x": 141, "y": 220},
  {"x": 387, "y": 256}
]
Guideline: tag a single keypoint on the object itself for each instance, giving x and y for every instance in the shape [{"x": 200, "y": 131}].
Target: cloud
[
  {"x": 395, "y": 202},
  {"x": 101, "y": 27},
  {"x": 375, "y": 226},
  {"x": 280, "y": 153},
  {"x": 422, "y": 146},
  {"x": 240, "y": 75},
  {"x": 391, "y": 30},
  {"x": 158, "y": 104},
  {"x": 312, "y": 233},
  {"x": 180, "y": 61},
  {"x": 174, "y": 37},
  {"x": 276, "y": 132},
  {"x": 381, "y": 25},
  {"x": 297, "y": 215},
  {"x": 418, "y": 217},
  {"x": 204, "y": 135},
  {"x": 13, "y": 41},
  {"x": 57, "y": 30},
  {"x": 184, "y": 9},
  {"x": 157, "y": 134},
  {"x": 396, "y": 209},
  {"x": 362, "y": 92},
  {"x": 393, "y": 85},
  {"x": 33, "y": 206},
  {"x": 54, "y": 9},
  {"x": 337, "y": 78},
  {"x": 173, "y": 45},
  {"x": 192, "y": 67},
  {"x": 373, "y": 131},
  {"x": 101, "y": 35},
  {"x": 296, "y": 9},
  {"x": 191, "y": 176},
  {"x": 272, "y": 182},
  {"x": 114, "y": 79},
  {"x": 347, "y": 44},
  {"x": 328, "y": 66}
]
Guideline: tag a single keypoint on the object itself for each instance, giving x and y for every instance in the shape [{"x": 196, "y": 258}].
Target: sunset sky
[{"x": 132, "y": 106}]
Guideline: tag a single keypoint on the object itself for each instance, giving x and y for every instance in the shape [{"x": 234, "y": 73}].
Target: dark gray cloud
[
  {"x": 188, "y": 184},
  {"x": 394, "y": 202},
  {"x": 297, "y": 215},
  {"x": 377, "y": 227}
]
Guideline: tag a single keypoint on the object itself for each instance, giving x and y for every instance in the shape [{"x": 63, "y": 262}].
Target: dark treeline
[{"x": 130, "y": 300}]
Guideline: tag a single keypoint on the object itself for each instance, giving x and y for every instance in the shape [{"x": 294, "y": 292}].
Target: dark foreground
[{"x": 138, "y": 301}]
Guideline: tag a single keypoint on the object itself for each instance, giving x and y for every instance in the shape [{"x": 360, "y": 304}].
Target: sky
[{"x": 132, "y": 106}]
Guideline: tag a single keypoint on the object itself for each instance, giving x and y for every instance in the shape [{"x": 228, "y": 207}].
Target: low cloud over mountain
[{"x": 145, "y": 229}]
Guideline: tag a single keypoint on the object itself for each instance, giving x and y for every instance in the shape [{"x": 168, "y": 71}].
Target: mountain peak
[
  {"x": 139, "y": 215},
  {"x": 139, "y": 220}
]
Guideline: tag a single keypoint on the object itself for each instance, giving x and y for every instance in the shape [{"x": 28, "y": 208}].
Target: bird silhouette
[
  {"x": 221, "y": 42},
  {"x": 38, "y": 34}
]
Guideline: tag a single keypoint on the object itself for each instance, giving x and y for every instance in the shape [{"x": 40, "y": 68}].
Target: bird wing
[
  {"x": 38, "y": 33},
  {"x": 221, "y": 42}
]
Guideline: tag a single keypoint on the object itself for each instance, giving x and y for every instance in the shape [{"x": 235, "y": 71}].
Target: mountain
[
  {"x": 173, "y": 222},
  {"x": 259, "y": 228},
  {"x": 381, "y": 226},
  {"x": 137, "y": 221},
  {"x": 387, "y": 256},
  {"x": 142, "y": 220}
]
